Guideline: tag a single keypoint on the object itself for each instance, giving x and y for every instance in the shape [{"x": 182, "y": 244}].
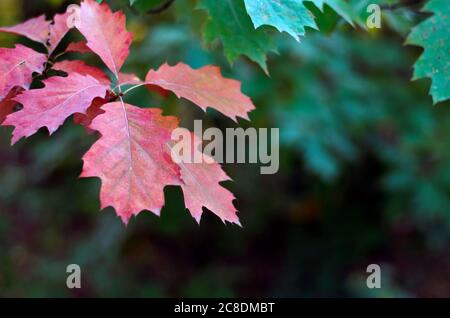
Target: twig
[{"x": 166, "y": 5}]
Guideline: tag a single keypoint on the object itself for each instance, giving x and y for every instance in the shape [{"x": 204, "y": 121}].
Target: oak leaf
[
  {"x": 78, "y": 47},
  {"x": 201, "y": 186},
  {"x": 7, "y": 104},
  {"x": 77, "y": 66},
  {"x": 205, "y": 87},
  {"x": 17, "y": 67},
  {"x": 131, "y": 158},
  {"x": 105, "y": 33},
  {"x": 50, "y": 106},
  {"x": 36, "y": 29}
]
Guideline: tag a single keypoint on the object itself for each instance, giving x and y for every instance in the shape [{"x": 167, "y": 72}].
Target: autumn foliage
[{"x": 132, "y": 155}]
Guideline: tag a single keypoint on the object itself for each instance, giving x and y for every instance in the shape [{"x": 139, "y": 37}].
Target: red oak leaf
[
  {"x": 130, "y": 79},
  {"x": 49, "y": 33},
  {"x": 105, "y": 32},
  {"x": 158, "y": 89},
  {"x": 93, "y": 111},
  {"x": 50, "y": 106},
  {"x": 18, "y": 66},
  {"x": 131, "y": 158},
  {"x": 78, "y": 47},
  {"x": 58, "y": 29},
  {"x": 201, "y": 187},
  {"x": 80, "y": 67},
  {"x": 7, "y": 105},
  {"x": 205, "y": 87},
  {"x": 36, "y": 29}
]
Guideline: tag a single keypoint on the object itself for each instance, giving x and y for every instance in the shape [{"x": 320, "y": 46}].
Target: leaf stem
[{"x": 134, "y": 87}]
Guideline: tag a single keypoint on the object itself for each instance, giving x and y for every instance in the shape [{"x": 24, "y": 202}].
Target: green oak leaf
[
  {"x": 353, "y": 11},
  {"x": 433, "y": 35},
  {"x": 342, "y": 7},
  {"x": 289, "y": 16},
  {"x": 229, "y": 22}
]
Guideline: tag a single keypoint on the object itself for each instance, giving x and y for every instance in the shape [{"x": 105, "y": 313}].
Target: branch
[{"x": 166, "y": 5}]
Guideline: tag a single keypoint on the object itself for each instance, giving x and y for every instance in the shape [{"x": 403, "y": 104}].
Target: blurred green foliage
[{"x": 364, "y": 177}]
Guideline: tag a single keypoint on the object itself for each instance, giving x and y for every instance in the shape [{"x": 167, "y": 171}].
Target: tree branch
[{"x": 163, "y": 7}]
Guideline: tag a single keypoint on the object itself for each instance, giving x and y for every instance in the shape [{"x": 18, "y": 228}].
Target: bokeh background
[{"x": 364, "y": 176}]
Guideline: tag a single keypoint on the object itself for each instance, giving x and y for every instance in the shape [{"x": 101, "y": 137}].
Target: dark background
[{"x": 364, "y": 177}]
